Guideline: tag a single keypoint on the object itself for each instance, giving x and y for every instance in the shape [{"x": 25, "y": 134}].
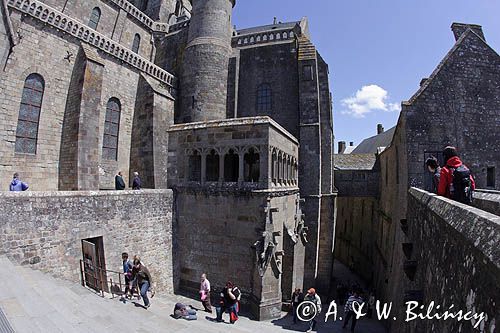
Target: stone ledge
[
  {"x": 261, "y": 120},
  {"x": 45, "y": 194},
  {"x": 477, "y": 226}
]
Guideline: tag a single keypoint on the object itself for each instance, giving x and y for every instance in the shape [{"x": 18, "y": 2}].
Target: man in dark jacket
[
  {"x": 435, "y": 170},
  {"x": 453, "y": 163},
  {"x": 119, "y": 182},
  {"x": 17, "y": 185}
]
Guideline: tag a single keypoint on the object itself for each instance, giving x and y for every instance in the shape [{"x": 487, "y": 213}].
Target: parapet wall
[
  {"x": 456, "y": 248},
  {"x": 487, "y": 200},
  {"x": 45, "y": 230}
]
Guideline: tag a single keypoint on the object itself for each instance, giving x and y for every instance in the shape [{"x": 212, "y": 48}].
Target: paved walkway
[{"x": 36, "y": 302}]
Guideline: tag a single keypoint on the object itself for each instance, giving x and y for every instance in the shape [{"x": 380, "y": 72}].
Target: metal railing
[{"x": 101, "y": 279}]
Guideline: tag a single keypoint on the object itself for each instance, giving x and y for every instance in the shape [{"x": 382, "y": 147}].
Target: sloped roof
[
  {"x": 443, "y": 62},
  {"x": 370, "y": 145},
  {"x": 354, "y": 161},
  {"x": 287, "y": 25}
]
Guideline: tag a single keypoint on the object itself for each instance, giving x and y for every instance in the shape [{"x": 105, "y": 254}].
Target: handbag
[{"x": 203, "y": 295}]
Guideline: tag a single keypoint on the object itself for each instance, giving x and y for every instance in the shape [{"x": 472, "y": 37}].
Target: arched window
[
  {"x": 29, "y": 114},
  {"x": 194, "y": 165},
  {"x": 136, "y": 43},
  {"x": 111, "y": 129},
  {"x": 94, "y": 18},
  {"x": 264, "y": 98},
  {"x": 212, "y": 172},
  {"x": 274, "y": 167},
  {"x": 231, "y": 166},
  {"x": 252, "y": 166}
]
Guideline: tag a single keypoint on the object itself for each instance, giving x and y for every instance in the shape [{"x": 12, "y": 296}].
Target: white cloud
[{"x": 368, "y": 99}]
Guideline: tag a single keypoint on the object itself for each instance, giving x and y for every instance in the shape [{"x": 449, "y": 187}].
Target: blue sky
[{"x": 377, "y": 50}]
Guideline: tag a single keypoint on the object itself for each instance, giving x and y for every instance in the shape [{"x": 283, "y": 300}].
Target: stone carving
[{"x": 266, "y": 253}]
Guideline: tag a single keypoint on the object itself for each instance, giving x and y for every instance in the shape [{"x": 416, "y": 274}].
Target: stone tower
[{"x": 203, "y": 85}]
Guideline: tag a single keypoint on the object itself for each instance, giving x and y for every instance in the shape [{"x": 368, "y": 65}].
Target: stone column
[
  {"x": 203, "y": 167},
  {"x": 241, "y": 171},
  {"x": 221, "y": 167}
]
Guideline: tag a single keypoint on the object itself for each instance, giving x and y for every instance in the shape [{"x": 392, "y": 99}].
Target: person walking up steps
[{"x": 144, "y": 281}]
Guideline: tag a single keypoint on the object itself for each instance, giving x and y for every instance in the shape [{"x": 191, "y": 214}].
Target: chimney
[
  {"x": 380, "y": 129},
  {"x": 351, "y": 143},
  {"x": 341, "y": 147},
  {"x": 460, "y": 28},
  {"x": 275, "y": 20}
]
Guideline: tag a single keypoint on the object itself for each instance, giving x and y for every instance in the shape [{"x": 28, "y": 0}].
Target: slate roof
[
  {"x": 370, "y": 145},
  {"x": 286, "y": 25},
  {"x": 354, "y": 161}
]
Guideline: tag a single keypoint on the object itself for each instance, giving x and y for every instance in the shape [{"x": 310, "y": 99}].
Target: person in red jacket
[{"x": 453, "y": 162}]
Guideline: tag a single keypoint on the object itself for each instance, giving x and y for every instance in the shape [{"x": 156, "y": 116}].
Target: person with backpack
[
  {"x": 435, "y": 170},
  {"x": 456, "y": 181},
  {"x": 230, "y": 297},
  {"x": 17, "y": 185}
]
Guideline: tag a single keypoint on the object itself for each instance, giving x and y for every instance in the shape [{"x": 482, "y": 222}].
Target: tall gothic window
[
  {"x": 264, "y": 98},
  {"x": 136, "y": 43},
  {"x": 111, "y": 129},
  {"x": 29, "y": 114},
  {"x": 94, "y": 18}
]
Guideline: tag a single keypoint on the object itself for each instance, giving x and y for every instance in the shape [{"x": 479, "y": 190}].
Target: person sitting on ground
[
  {"x": 182, "y": 311},
  {"x": 456, "y": 181},
  {"x": 435, "y": 170},
  {"x": 17, "y": 185}
]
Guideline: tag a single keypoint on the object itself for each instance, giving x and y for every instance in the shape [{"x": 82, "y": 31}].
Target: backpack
[{"x": 461, "y": 187}]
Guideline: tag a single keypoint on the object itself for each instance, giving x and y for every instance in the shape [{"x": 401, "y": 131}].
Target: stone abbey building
[{"x": 231, "y": 128}]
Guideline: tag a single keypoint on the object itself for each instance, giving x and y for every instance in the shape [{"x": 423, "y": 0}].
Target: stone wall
[
  {"x": 487, "y": 200},
  {"x": 456, "y": 250},
  {"x": 355, "y": 234},
  {"x": 57, "y": 57},
  {"x": 219, "y": 237},
  {"x": 44, "y": 230},
  {"x": 458, "y": 105}
]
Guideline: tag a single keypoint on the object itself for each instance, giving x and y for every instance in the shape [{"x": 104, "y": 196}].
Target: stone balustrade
[
  {"x": 263, "y": 37},
  {"x": 79, "y": 30}
]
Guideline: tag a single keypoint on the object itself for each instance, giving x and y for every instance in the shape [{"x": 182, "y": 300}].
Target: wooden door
[{"x": 90, "y": 265}]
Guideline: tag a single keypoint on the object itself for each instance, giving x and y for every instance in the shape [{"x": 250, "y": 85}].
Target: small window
[
  {"x": 29, "y": 114},
  {"x": 136, "y": 43},
  {"x": 111, "y": 129},
  {"x": 490, "y": 177},
  {"x": 95, "y": 16},
  {"x": 264, "y": 98}
]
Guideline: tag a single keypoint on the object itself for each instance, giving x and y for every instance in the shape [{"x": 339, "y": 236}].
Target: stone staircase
[{"x": 34, "y": 301}]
